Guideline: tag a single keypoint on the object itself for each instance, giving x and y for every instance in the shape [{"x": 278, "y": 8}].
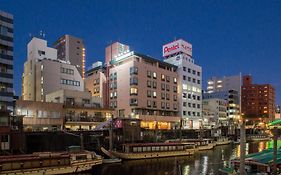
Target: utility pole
[
  {"x": 275, "y": 138},
  {"x": 242, "y": 147},
  {"x": 81, "y": 141}
]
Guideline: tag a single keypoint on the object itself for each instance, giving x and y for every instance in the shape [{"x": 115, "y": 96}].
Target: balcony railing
[
  {"x": 82, "y": 105},
  {"x": 70, "y": 118}
]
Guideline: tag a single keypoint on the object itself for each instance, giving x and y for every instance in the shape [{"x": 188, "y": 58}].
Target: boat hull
[
  {"x": 149, "y": 155},
  {"x": 75, "y": 168}
]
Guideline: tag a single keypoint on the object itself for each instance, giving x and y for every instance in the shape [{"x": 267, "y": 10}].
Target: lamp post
[{"x": 242, "y": 146}]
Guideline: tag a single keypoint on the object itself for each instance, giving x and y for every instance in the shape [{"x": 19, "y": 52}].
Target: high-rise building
[
  {"x": 115, "y": 50},
  {"x": 6, "y": 61},
  {"x": 71, "y": 49},
  {"x": 145, "y": 88},
  {"x": 258, "y": 100},
  {"x": 179, "y": 53},
  {"x": 44, "y": 73}
]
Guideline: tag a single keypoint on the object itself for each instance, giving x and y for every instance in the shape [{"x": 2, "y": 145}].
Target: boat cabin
[{"x": 156, "y": 147}]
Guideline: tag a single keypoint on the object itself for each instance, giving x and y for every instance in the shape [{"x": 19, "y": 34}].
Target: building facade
[
  {"x": 71, "y": 49},
  {"x": 258, "y": 101},
  {"x": 145, "y": 88},
  {"x": 6, "y": 61},
  {"x": 179, "y": 53},
  {"x": 44, "y": 73},
  {"x": 95, "y": 81},
  {"x": 218, "y": 109},
  {"x": 217, "y": 84}
]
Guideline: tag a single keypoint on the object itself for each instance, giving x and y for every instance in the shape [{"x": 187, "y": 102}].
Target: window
[
  {"x": 175, "y": 80},
  {"x": 175, "y": 98},
  {"x": 194, "y": 80},
  {"x": 148, "y": 103},
  {"x": 193, "y": 72},
  {"x": 162, "y": 77},
  {"x": 198, "y": 73},
  {"x": 167, "y": 105},
  {"x": 184, "y": 77},
  {"x": 66, "y": 71},
  {"x": 133, "y": 102},
  {"x": 154, "y": 75},
  {"x": 133, "y": 91},
  {"x": 198, "y": 106},
  {"x": 3, "y": 30},
  {"x": 70, "y": 82},
  {"x": 189, "y": 105},
  {"x": 163, "y": 105},
  {"x": 189, "y": 79},
  {"x": 148, "y": 83},
  {"x": 167, "y": 96},
  {"x": 163, "y": 86},
  {"x": 184, "y": 103},
  {"x": 41, "y": 52},
  {"x": 154, "y": 104},
  {"x": 175, "y": 106},
  {"x": 148, "y": 93},
  {"x": 198, "y": 82},
  {"x": 189, "y": 96},
  {"x": 134, "y": 81},
  {"x": 198, "y": 97},
  {"x": 194, "y": 105},
  {"x": 163, "y": 96},
  {"x": 133, "y": 70},
  {"x": 167, "y": 87},
  {"x": 167, "y": 78},
  {"x": 148, "y": 73},
  {"x": 154, "y": 85},
  {"x": 184, "y": 112},
  {"x": 184, "y": 68},
  {"x": 175, "y": 88},
  {"x": 154, "y": 94},
  {"x": 189, "y": 70},
  {"x": 184, "y": 95}
]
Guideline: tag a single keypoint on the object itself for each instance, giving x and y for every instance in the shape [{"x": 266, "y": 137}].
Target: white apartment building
[
  {"x": 44, "y": 73},
  {"x": 179, "y": 53}
]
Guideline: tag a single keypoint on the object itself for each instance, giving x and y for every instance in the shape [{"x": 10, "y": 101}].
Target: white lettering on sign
[{"x": 177, "y": 46}]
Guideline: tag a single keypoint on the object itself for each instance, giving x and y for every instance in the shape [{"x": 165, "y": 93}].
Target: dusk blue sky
[{"x": 228, "y": 37}]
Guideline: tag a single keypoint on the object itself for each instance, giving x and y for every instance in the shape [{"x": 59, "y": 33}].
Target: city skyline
[{"x": 250, "y": 37}]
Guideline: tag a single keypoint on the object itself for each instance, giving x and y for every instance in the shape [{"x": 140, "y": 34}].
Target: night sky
[{"x": 228, "y": 37}]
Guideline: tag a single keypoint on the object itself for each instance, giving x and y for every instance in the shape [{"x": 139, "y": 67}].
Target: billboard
[{"x": 177, "y": 46}]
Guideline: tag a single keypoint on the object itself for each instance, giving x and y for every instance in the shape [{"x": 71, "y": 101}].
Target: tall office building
[
  {"x": 6, "y": 79},
  {"x": 71, "y": 49},
  {"x": 44, "y": 73},
  {"x": 258, "y": 100},
  {"x": 6, "y": 61},
  {"x": 179, "y": 53}
]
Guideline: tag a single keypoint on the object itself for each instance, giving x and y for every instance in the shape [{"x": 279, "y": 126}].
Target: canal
[{"x": 205, "y": 162}]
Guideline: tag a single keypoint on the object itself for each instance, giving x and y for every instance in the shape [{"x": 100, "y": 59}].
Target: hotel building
[
  {"x": 179, "y": 53},
  {"x": 145, "y": 88}
]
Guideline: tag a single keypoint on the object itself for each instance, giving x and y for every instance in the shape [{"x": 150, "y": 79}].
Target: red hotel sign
[{"x": 177, "y": 46}]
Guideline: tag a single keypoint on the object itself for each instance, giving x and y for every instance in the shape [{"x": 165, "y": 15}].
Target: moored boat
[
  {"x": 255, "y": 163},
  {"x": 154, "y": 150},
  {"x": 49, "y": 163}
]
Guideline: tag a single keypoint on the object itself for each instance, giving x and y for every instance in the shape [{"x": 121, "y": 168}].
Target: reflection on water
[{"x": 207, "y": 162}]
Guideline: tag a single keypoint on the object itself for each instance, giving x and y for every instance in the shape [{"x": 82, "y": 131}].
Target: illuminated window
[
  {"x": 133, "y": 91},
  {"x": 154, "y": 94},
  {"x": 154, "y": 75},
  {"x": 162, "y": 77},
  {"x": 175, "y": 80}
]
